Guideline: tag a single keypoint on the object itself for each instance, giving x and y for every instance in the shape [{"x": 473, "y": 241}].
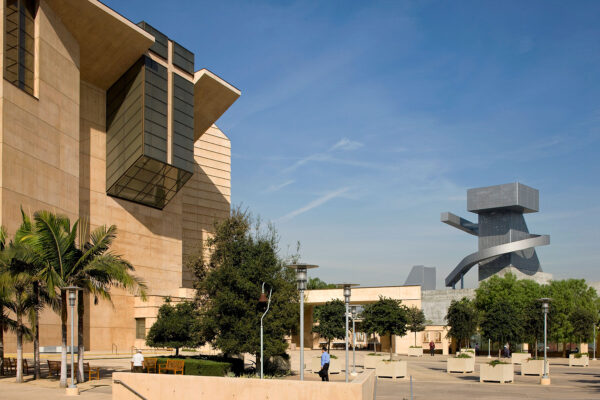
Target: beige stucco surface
[{"x": 162, "y": 386}]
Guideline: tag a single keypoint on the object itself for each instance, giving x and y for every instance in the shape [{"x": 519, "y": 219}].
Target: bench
[
  {"x": 150, "y": 364},
  {"x": 92, "y": 372},
  {"x": 53, "y": 368},
  {"x": 172, "y": 365}
]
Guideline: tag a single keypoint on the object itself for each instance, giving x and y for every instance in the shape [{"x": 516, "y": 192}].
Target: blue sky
[{"x": 361, "y": 121}]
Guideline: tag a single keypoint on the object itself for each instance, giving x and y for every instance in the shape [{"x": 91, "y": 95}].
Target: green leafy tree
[
  {"x": 582, "y": 320},
  {"x": 176, "y": 326},
  {"x": 501, "y": 322},
  {"x": 385, "y": 317},
  {"x": 415, "y": 320},
  {"x": 241, "y": 256},
  {"x": 532, "y": 316},
  {"x": 331, "y": 321},
  {"x": 463, "y": 319},
  {"x": 568, "y": 295},
  {"x": 316, "y": 283}
]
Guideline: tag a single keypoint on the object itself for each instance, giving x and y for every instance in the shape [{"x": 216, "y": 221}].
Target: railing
[{"x": 126, "y": 386}]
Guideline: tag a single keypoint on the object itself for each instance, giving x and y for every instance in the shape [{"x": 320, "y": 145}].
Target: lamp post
[
  {"x": 489, "y": 348},
  {"x": 262, "y": 301},
  {"x": 354, "y": 314},
  {"x": 594, "y": 343},
  {"x": 72, "y": 390},
  {"x": 301, "y": 281},
  {"x": 545, "y": 308},
  {"x": 347, "y": 290}
]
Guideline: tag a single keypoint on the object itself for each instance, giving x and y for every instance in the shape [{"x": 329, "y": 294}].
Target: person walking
[
  {"x": 325, "y": 359},
  {"x": 138, "y": 361},
  {"x": 431, "y": 347},
  {"x": 476, "y": 349}
]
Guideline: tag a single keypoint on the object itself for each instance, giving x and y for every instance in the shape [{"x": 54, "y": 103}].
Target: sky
[{"x": 361, "y": 121}]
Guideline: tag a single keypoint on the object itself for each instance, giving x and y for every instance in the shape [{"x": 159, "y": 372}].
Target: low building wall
[{"x": 162, "y": 386}]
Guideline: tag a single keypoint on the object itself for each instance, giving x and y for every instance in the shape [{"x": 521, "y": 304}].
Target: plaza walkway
[{"x": 430, "y": 381}]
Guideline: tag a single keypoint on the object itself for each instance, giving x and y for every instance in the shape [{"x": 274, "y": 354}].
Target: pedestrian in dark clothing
[
  {"x": 476, "y": 349},
  {"x": 431, "y": 348},
  {"x": 325, "y": 359}
]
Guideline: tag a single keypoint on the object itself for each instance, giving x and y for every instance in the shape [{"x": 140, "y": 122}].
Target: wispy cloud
[
  {"x": 343, "y": 144},
  {"x": 275, "y": 188},
  {"x": 346, "y": 144},
  {"x": 314, "y": 204}
]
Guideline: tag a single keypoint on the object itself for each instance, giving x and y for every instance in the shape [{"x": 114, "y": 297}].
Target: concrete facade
[{"x": 53, "y": 156}]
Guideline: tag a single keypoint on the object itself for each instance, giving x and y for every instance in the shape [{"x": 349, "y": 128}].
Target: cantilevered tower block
[{"x": 504, "y": 240}]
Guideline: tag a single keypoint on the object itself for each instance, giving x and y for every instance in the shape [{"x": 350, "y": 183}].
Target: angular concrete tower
[{"x": 505, "y": 243}]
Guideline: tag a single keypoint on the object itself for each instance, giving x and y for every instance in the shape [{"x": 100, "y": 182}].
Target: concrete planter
[
  {"x": 315, "y": 364},
  {"x": 371, "y": 361},
  {"x": 460, "y": 365},
  {"x": 533, "y": 367},
  {"x": 415, "y": 352},
  {"x": 335, "y": 365},
  {"x": 391, "y": 369},
  {"x": 519, "y": 358},
  {"x": 500, "y": 373},
  {"x": 582, "y": 361}
]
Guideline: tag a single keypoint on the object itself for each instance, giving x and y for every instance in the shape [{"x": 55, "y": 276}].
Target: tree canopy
[
  {"x": 463, "y": 319},
  {"x": 330, "y": 319},
  {"x": 241, "y": 256},
  {"x": 175, "y": 326},
  {"x": 385, "y": 317},
  {"x": 316, "y": 283},
  {"x": 415, "y": 320}
]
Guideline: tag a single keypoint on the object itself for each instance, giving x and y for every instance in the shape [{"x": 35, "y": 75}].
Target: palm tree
[
  {"x": 90, "y": 266},
  {"x": 96, "y": 271},
  {"x": 16, "y": 275},
  {"x": 6, "y": 323}
]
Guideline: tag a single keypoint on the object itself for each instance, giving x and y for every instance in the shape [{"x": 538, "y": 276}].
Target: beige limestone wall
[
  {"x": 154, "y": 387},
  {"x": 207, "y": 195},
  {"x": 39, "y": 141}
]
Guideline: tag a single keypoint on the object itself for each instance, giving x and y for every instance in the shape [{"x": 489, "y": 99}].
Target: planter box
[
  {"x": 415, "y": 352},
  {"x": 391, "y": 369},
  {"x": 460, "y": 365},
  {"x": 315, "y": 364},
  {"x": 533, "y": 367},
  {"x": 519, "y": 358},
  {"x": 371, "y": 361},
  {"x": 500, "y": 373},
  {"x": 582, "y": 361},
  {"x": 335, "y": 365}
]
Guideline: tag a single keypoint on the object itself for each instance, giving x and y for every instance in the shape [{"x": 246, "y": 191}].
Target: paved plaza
[{"x": 429, "y": 381}]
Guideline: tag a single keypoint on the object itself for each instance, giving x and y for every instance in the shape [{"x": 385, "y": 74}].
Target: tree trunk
[
  {"x": 536, "y": 349},
  {"x": 564, "y": 350},
  {"x": 1, "y": 343},
  {"x": 63, "y": 327},
  {"x": 80, "y": 339},
  {"x": 36, "y": 333},
  {"x": 19, "y": 349},
  {"x": 176, "y": 351},
  {"x": 415, "y": 338},
  {"x": 329, "y": 346},
  {"x": 390, "y": 347}
]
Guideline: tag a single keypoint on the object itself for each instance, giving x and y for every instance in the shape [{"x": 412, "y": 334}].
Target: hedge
[{"x": 204, "y": 367}]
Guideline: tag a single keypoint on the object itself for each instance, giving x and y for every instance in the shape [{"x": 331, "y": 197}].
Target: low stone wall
[{"x": 163, "y": 386}]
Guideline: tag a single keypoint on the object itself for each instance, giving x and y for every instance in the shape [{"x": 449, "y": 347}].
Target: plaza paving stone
[{"x": 430, "y": 381}]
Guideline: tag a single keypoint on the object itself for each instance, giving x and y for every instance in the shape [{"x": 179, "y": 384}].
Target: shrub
[
  {"x": 579, "y": 355},
  {"x": 206, "y": 367},
  {"x": 463, "y": 355},
  {"x": 496, "y": 362},
  {"x": 416, "y": 347}
]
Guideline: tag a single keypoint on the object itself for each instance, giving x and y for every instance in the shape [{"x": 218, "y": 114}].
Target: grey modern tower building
[{"x": 504, "y": 240}]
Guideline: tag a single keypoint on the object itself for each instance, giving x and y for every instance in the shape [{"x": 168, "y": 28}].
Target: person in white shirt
[{"x": 138, "y": 361}]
